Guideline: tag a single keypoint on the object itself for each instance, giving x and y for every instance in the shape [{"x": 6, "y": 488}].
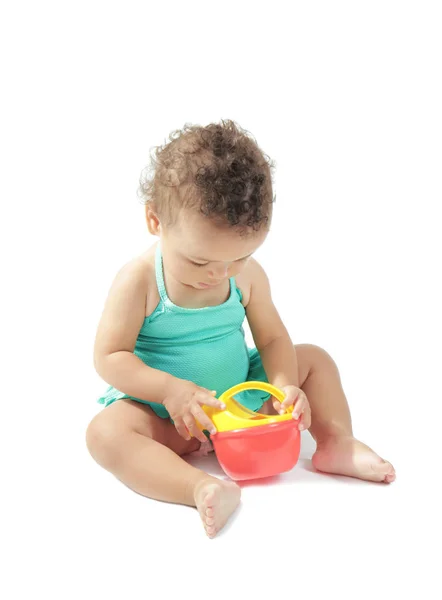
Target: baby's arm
[
  {"x": 119, "y": 326},
  {"x": 271, "y": 338}
]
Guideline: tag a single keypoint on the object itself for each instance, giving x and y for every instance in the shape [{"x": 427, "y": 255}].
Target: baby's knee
[
  {"x": 316, "y": 356},
  {"x": 103, "y": 438}
]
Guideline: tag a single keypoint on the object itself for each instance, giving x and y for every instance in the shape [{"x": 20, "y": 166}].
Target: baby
[{"x": 171, "y": 338}]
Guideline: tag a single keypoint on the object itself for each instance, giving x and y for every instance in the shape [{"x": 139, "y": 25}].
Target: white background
[{"x": 346, "y": 98}]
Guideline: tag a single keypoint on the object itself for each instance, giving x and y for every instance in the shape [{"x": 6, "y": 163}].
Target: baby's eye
[
  {"x": 206, "y": 263},
  {"x": 198, "y": 264}
]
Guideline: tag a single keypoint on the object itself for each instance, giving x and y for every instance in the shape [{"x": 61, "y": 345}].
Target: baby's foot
[
  {"x": 204, "y": 450},
  {"x": 344, "y": 455},
  {"x": 216, "y": 501}
]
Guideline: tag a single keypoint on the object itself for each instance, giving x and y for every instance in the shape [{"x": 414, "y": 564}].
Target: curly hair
[{"x": 218, "y": 170}]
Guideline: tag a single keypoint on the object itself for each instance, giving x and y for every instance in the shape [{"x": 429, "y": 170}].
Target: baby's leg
[
  {"x": 337, "y": 450},
  {"x": 143, "y": 451}
]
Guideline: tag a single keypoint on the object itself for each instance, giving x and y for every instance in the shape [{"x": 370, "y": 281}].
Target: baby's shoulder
[
  {"x": 139, "y": 275},
  {"x": 147, "y": 262},
  {"x": 245, "y": 279},
  {"x": 138, "y": 270}
]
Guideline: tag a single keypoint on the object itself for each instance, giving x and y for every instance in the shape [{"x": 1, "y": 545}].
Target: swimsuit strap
[{"x": 159, "y": 274}]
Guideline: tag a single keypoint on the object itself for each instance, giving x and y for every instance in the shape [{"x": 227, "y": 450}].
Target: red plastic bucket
[{"x": 260, "y": 451}]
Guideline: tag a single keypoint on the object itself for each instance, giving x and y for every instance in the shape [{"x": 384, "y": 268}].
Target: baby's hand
[
  {"x": 295, "y": 396},
  {"x": 183, "y": 403}
]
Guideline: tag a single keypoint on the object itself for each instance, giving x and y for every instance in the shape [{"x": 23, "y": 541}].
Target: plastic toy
[{"x": 251, "y": 445}]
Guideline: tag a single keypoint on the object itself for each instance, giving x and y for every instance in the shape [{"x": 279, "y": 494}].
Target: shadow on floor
[{"x": 302, "y": 472}]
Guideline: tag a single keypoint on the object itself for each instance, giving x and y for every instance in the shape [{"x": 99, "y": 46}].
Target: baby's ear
[{"x": 152, "y": 220}]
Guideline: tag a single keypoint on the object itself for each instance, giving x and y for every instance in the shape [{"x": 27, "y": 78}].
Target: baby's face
[{"x": 201, "y": 255}]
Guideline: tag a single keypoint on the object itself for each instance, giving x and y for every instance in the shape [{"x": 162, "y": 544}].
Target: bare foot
[
  {"x": 216, "y": 501},
  {"x": 204, "y": 450},
  {"x": 344, "y": 455}
]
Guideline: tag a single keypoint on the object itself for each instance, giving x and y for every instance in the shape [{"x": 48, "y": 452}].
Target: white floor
[
  {"x": 345, "y": 97},
  {"x": 75, "y": 531}
]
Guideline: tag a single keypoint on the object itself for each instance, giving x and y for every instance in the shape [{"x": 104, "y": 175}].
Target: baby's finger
[
  {"x": 291, "y": 400},
  {"x": 181, "y": 428},
  {"x": 190, "y": 423},
  {"x": 203, "y": 419},
  {"x": 299, "y": 405},
  {"x": 204, "y": 397},
  {"x": 278, "y": 407},
  {"x": 306, "y": 418}
]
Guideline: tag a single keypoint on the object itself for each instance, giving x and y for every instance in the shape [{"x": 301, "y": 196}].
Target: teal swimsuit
[{"x": 203, "y": 345}]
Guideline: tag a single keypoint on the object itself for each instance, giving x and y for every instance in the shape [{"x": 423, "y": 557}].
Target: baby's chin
[
  {"x": 194, "y": 286},
  {"x": 206, "y": 286},
  {"x": 200, "y": 285}
]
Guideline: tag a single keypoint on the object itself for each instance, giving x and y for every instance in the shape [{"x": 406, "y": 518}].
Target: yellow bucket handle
[
  {"x": 237, "y": 416},
  {"x": 254, "y": 385}
]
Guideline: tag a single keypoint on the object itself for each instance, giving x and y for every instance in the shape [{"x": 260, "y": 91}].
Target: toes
[
  {"x": 209, "y": 499},
  {"x": 208, "y": 519},
  {"x": 207, "y": 514},
  {"x": 383, "y": 471},
  {"x": 210, "y": 530},
  {"x": 216, "y": 504},
  {"x": 391, "y": 475},
  {"x": 388, "y": 468}
]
